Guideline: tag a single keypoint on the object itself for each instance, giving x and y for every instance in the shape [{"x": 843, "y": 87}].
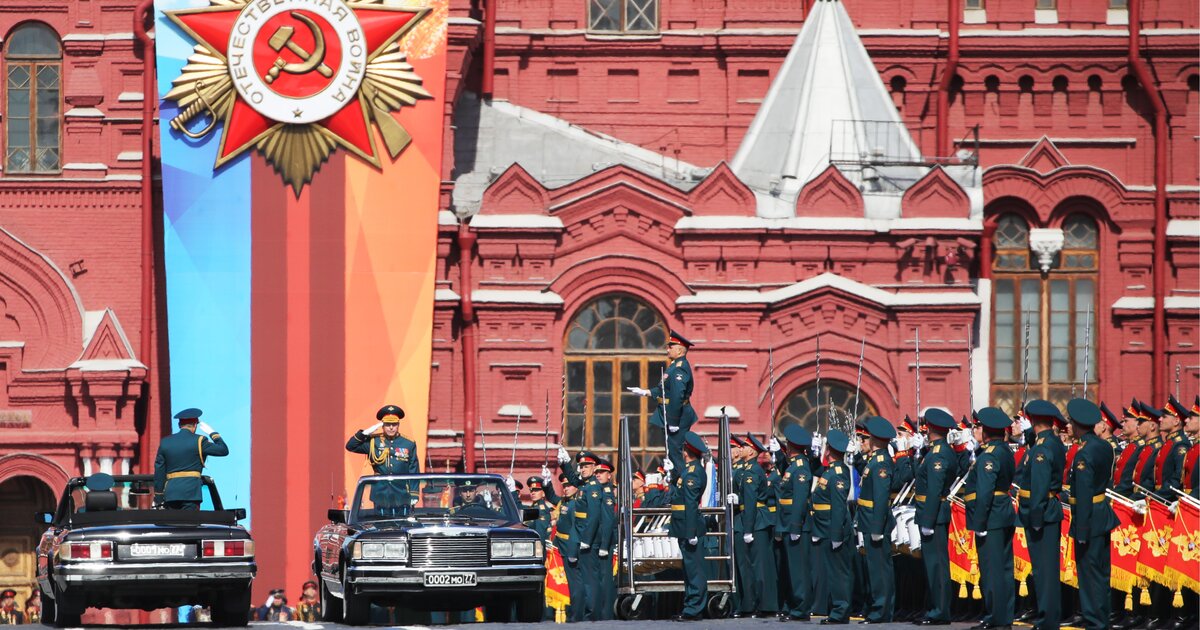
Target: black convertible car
[
  {"x": 430, "y": 542},
  {"x": 104, "y": 548}
]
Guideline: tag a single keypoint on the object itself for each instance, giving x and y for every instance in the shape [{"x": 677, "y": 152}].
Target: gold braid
[{"x": 377, "y": 459}]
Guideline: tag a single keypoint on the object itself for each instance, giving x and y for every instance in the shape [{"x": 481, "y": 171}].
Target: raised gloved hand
[
  {"x": 982, "y": 534},
  {"x": 563, "y": 455},
  {"x": 774, "y": 445},
  {"x": 205, "y": 427},
  {"x": 693, "y": 541},
  {"x": 545, "y": 475},
  {"x": 584, "y": 546},
  {"x": 956, "y": 437},
  {"x": 603, "y": 553},
  {"x": 373, "y": 428},
  {"x": 511, "y": 483},
  {"x": 900, "y": 443},
  {"x": 794, "y": 537},
  {"x": 747, "y": 538},
  {"x": 673, "y": 429},
  {"x": 1023, "y": 423},
  {"x": 668, "y": 465},
  {"x": 270, "y": 601},
  {"x": 1139, "y": 506},
  {"x": 644, "y": 393},
  {"x": 917, "y": 441},
  {"x": 837, "y": 543},
  {"x": 817, "y": 443},
  {"x": 876, "y": 537},
  {"x": 731, "y": 498},
  {"x": 926, "y": 531}
]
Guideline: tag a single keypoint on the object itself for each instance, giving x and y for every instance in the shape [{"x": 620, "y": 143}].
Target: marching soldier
[
  {"x": 687, "y": 526},
  {"x": 180, "y": 460},
  {"x": 832, "y": 529},
  {"x": 1040, "y": 510},
  {"x": 567, "y": 542},
  {"x": 537, "y": 496},
  {"x": 1092, "y": 517},
  {"x": 993, "y": 521},
  {"x": 674, "y": 397},
  {"x": 795, "y": 487},
  {"x": 589, "y": 509},
  {"x": 875, "y": 522},
  {"x": 934, "y": 476}
]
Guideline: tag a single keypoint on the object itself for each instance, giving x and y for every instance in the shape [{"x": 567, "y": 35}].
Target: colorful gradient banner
[{"x": 293, "y": 318}]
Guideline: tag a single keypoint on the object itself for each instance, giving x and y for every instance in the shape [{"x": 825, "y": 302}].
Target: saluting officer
[
  {"x": 567, "y": 542},
  {"x": 993, "y": 520},
  {"x": 1092, "y": 517},
  {"x": 674, "y": 397},
  {"x": 389, "y": 454},
  {"x": 832, "y": 529},
  {"x": 180, "y": 460},
  {"x": 687, "y": 525},
  {"x": 796, "y": 484},
  {"x": 588, "y": 520},
  {"x": 1040, "y": 510},
  {"x": 875, "y": 521},
  {"x": 934, "y": 476}
]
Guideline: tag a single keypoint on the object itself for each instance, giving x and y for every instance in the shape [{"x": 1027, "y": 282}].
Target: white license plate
[
  {"x": 144, "y": 550},
  {"x": 449, "y": 579}
]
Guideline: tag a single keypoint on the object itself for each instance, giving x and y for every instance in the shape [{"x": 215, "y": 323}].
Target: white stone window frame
[{"x": 648, "y": 9}]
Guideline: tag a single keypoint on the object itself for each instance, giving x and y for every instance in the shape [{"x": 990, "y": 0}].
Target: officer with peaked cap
[
  {"x": 389, "y": 453},
  {"x": 566, "y": 540},
  {"x": 1123, "y": 471},
  {"x": 588, "y": 523},
  {"x": 180, "y": 461},
  {"x": 687, "y": 526},
  {"x": 545, "y": 508},
  {"x": 875, "y": 521},
  {"x": 934, "y": 476},
  {"x": 673, "y": 397},
  {"x": 993, "y": 520},
  {"x": 1149, "y": 427},
  {"x": 832, "y": 528},
  {"x": 1169, "y": 472},
  {"x": 1092, "y": 517},
  {"x": 1040, "y": 510},
  {"x": 761, "y": 548},
  {"x": 1109, "y": 428},
  {"x": 793, "y": 521}
]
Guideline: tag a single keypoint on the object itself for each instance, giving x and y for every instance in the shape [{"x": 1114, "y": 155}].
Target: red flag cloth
[
  {"x": 1126, "y": 544},
  {"x": 1070, "y": 459},
  {"x": 1189, "y": 467},
  {"x": 964, "y": 559},
  {"x": 1156, "y": 538},
  {"x": 1067, "y": 573},
  {"x": 1022, "y": 566},
  {"x": 1183, "y": 560},
  {"x": 557, "y": 594}
]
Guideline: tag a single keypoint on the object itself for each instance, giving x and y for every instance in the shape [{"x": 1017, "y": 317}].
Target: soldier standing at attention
[
  {"x": 673, "y": 396},
  {"x": 994, "y": 521},
  {"x": 1040, "y": 510},
  {"x": 1169, "y": 473},
  {"x": 832, "y": 529},
  {"x": 875, "y": 521},
  {"x": 1109, "y": 428},
  {"x": 607, "y": 543},
  {"x": 934, "y": 476},
  {"x": 796, "y": 485},
  {"x": 567, "y": 544},
  {"x": 1092, "y": 517},
  {"x": 588, "y": 517},
  {"x": 687, "y": 526},
  {"x": 389, "y": 454},
  {"x": 10, "y": 615},
  {"x": 762, "y": 548},
  {"x": 537, "y": 495},
  {"x": 180, "y": 459}
]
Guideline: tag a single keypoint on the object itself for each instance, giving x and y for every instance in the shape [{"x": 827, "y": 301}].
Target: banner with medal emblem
[
  {"x": 1156, "y": 543},
  {"x": 1183, "y": 562},
  {"x": 301, "y": 167},
  {"x": 1126, "y": 546}
]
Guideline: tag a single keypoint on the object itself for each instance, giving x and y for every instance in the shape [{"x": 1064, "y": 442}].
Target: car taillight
[
  {"x": 227, "y": 548},
  {"x": 98, "y": 550}
]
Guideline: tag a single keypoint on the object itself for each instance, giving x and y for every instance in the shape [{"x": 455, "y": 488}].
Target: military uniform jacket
[
  {"x": 588, "y": 505},
  {"x": 874, "y": 514},
  {"x": 752, "y": 487},
  {"x": 1143, "y": 471},
  {"x": 902, "y": 470},
  {"x": 675, "y": 395},
  {"x": 1123, "y": 470},
  {"x": 686, "y": 522},
  {"x": 935, "y": 475},
  {"x": 794, "y": 488},
  {"x": 1169, "y": 469},
  {"x": 608, "y": 517},
  {"x": 542, "y": 524},
  {"x": 179, "y": 462},
  {"x": 565, "y": 536},
  {"x": 655, "y": 498},
  {"x": 1038, "y": 504},
  {"x": 830, "y": 515},
  {"x": 774, "y": 483},
  {"x": 993, "y": 473},
  {"x": 1091, "y": 513},
  {"x": 388, "y": 456}
]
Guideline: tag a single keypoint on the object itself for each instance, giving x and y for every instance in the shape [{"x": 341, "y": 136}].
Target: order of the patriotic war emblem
[{"x": 296, "y": 80}]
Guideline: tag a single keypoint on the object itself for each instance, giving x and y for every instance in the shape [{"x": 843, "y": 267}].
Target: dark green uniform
[
  {"x": 388, "y": 456},
  {"x": 833, "y": 532},
  {"x": 686, "y": 524},
  {"x": 990, "y": 514},
  {"x": 1169, "y": 476},
  {"x": 874, "y": 519},
  {"x": 588, "y": 521},
  {"x": 771, "y": 569},
  {"x": 566, "y": 539},
  {"x": 178, "y": 465},
  {"x": 674, "y": 396},
  {"x": 656, "y": 497},
  {"x": 753, "y": 519},
  {"x": 1092, "y": 519},
  {"x": 541, "y": 525},
  {"x": 605, "y": 580},
  {"x": 794, "y": 489},
  {"x": 1041, "y": 515},
  {"x": 934, "y": 476}
]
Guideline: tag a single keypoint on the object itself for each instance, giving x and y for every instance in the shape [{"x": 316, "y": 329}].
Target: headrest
[{"x": 100, "y": 501}]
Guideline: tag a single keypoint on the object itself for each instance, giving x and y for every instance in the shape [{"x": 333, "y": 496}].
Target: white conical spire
[{"x": 827, "y": 99}]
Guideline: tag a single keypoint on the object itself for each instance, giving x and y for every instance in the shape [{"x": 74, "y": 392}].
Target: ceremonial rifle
[
  {"x": 516, "y": 433},
  {"x": 1087, "y": 349},
  {"x": 862, "y": 349}
]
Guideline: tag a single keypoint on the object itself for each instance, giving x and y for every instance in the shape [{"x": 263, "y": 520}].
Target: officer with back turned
[
  {"x": 993, "y": 520},
  {"x": 180, "y": 460},
  {"x": 1040, "y": 511},
  {"x": 1092, "y": 517},
  {"x": 794, "y": 521},
  {"x": 934, "y": 476},
  {"x": 875, "y": 521},
  {"x": 832, "y": 528},
  {"x": 672, "y": 398}
]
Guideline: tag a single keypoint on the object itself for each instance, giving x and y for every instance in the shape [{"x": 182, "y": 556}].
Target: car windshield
[{"x": 469, "y": 498}]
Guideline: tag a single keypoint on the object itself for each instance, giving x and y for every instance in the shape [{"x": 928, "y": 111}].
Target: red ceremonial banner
[
  {"x": 1156, "y": 540},
  {"x": 557, "y": 595},
  {"x": 1126, "y": 545},
  {"x": 1022, "y": 566},
  {"x": 1067, "y": 573},
  {"x": 1183, "y": 560},
  {"x": 964, "y": 559}
]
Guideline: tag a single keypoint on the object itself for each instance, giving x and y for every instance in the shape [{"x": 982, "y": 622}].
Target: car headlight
[
  {"x": 396, "y": 550},
  {"x": 502, "y": 549},
  {"x": 381, "y": 550},
  {"x": 523, "y": 548}
]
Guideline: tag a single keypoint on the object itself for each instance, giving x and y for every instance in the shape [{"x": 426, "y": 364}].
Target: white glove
[
  {"x": 837, "y": 543},
  {"x": 1139, "y": 506},
  {"x": 270, "y": 600},
  {"x": 545, "y": 475},
  {"x": 774, "y": 445},
  {"x": 1023, "y": 423},
  {"x": 900, "y": 443},
  {"x": 918, "y": 441},
  {"x": 205, "y": 427},
  {"x": 644, "y": 393},
  {"x": 373, "y": 428},
  {"x": 668, "y": 465},
  {"x": 816, "y": 539},
  {"x": 747, "y": 538},
  {"x": 926, "y": 531},
  {"x": 732, "y": 499},
  {"x": 584, "y": 545},
  {"x": 981, "y": 534},
  {"x": 1174, "y": 506},
  {"x": 794, "y": 537},
  {"x": 603, "y": 553},
  {"x": 876, "y": 537},
  {"x": 673, "y": 429},
  {"x": 817, "y": 443},
  {"x": 563, "y": 455},
  {"x": 693, "y": 541},
  {"x": 511, "y": 483},
  {"x": 956, "y": 437}
]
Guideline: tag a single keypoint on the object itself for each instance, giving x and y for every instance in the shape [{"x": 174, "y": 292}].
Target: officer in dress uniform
[
  {"x": 751, "y": 527},
  {"x": 762, "y": 549},
  {"x": 687, "y": 526},
  {"x": 605, "y": 580},
  {"x": 993, "y": 520},
  {"x": 567, "y": 543},
  {"x": 1109, "y": 428},
  {"x": 1190, "y": 479},
  {"x": 1092, "y": 517},
  {"x": 10, "y": 615},
  {"x": 180, "y": 460},
  {"x": 537, "y": 496},
  {"x": 832, "y": 528},
  {"x": 657, "y": 494},
  {"x": 934, "y": 476},
  {"x": 875, "y": 521},
  {"x": 1170, "y": 472},
  {"x": 588, "y": 520},
  {"x": 389, "y": 454},
  {"x": 1040, "y": 511},
  {"x": 674, "y": 397},
  {"x": 795, "y": 486}
]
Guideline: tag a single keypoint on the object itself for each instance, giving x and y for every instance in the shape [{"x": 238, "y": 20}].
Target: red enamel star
[{"x": 244, "y": 126}]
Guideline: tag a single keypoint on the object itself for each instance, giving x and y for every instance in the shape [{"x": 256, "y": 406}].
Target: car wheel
[
  {"x": 331, "y": 607},
  {"x": 232, "y": 609},
  {"x": 531, "y": 607},
  {"x": 356, "y": 609}
]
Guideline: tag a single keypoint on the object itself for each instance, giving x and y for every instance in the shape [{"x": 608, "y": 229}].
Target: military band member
[
  {"x": 687, "y": 526},
  {"x": 673, "y": 397},
  {"x": 875, "y": 521},
  {"x": 993, "y": 520},
  {"x": 566, "y": 540},
  {"x": 1040, "y": 511},
  {"x": 589, "y": 518},
  {"x": 33, "y": 607},
  {"x": 1123, "y": 470},
  {"x": 934, "y": 476},
  {"x": 537, "y": 496},
  {"x": 638, "y": 483},
  {"x": 1092, "y": 517},
  {"x": 180, "y": 460},
  {"x": 1169, "y": 470},
  {"x": 832, "y": 530}
]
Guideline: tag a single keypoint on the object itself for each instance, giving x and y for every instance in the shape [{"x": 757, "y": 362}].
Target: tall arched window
[
  {"x": 615, "y": 341},
  {"x": 33, "y": 100},
  {"x": 812, "y": 411},
  {"x": 1043, "y": 324}
]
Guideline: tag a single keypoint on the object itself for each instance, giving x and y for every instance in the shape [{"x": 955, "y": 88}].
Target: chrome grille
[{"x": 436, "y": 552}]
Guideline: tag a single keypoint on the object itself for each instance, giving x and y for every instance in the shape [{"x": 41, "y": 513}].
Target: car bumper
[
  {"x": 402, "y": 579},
  {"x": 196, "y": 574}
]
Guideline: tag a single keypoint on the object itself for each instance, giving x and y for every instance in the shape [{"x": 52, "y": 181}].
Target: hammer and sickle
[{"x": 310, "y": 61}]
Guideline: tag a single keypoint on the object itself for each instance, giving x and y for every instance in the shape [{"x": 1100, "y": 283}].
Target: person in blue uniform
[
  {"x": 832, "y": 530},
  {"x": 389, "y": 453},
  {"x": 875, "y": 521},
  {"x": 1092, "y": 517},
  {"x": 605, "y": 580},
  {"x": 545, "y": 508},
  {"x": 1040, "y": 510},
  {"x": 180, "y": 460},
  {"x": 687, "y": 526},
  {"x": 673, "y": 397},
  {"x": 796, "y": 484},
  {"x": 588, "y": 521},
  {"x": 934, "y": 476},
  {"x": 566, "y": 541},
  {"x": 993, "y": 520}
]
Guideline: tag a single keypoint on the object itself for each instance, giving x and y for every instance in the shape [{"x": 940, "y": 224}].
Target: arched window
[
  {"x": 33, "y": 100},
  {"x": 615, "y": 341},
  {"x": 812, "y": 411}
]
